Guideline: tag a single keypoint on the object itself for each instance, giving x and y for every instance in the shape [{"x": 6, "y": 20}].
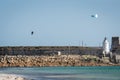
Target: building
[
  {"x": 115, "y": 47},
  {"x": 106, "y": 49},
  {"x": 115, "y": 43}
]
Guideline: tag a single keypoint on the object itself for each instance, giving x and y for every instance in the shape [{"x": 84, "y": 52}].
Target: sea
[{"x": 66, "y": 73}]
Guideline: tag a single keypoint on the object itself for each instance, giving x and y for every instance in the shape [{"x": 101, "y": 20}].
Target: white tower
[{"x": 106, "y": 49}]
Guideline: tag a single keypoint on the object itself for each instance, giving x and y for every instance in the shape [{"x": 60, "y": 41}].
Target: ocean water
[{"x": 66, "y": 73}]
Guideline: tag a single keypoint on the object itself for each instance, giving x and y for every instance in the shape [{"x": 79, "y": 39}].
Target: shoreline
[{"x": 12, "y": 77}]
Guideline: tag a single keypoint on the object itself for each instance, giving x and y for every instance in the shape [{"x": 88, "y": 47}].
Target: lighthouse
[{"x": 106, "y": 49}]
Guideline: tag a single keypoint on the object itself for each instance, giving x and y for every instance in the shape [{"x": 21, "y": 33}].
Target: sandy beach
[{"x": 12, "y": 77}]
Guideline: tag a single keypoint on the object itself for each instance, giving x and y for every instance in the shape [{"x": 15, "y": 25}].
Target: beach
[{"x": 12, "y": 77}]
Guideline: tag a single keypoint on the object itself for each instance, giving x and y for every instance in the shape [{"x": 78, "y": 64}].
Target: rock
[{"x": 63, "y": 60}]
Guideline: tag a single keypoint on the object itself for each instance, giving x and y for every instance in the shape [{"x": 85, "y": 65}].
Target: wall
[{"x": 49, "y": 50}]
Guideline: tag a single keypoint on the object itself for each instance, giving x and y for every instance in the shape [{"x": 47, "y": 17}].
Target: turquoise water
[{"x": 66, "y": 73}]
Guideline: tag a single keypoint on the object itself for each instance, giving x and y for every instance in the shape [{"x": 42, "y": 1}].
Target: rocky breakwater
[{"x": 62, "y": 60}]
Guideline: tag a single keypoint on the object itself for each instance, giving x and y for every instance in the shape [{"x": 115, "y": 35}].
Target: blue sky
[{"x": 58, "y": 22}]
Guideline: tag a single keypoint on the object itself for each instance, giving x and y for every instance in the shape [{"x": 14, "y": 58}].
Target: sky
[{"x": 58, "y": 22}]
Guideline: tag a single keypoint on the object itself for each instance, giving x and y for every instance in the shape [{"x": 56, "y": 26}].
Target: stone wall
[{"x": 49, "y": 50}]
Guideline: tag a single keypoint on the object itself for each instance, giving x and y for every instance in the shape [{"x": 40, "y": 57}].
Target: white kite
[{"x": 94, "y": 16}]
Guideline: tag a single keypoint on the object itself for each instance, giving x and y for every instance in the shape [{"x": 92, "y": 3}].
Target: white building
[{"x": 106, "y": 49}]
